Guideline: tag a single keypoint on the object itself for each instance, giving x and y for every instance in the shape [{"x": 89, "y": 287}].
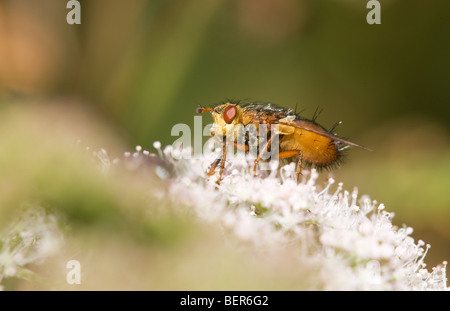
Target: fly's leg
[
  {"x": 293, "y": 153},
  {"x": 241, "y": 147},
  {"x": 298, "y": 170},
  {"x": 261, "y": 153},
  {"x": 222, "y": 163},
  {"x": 212, "y": 167},
  {"x": 221, "y": 159}
]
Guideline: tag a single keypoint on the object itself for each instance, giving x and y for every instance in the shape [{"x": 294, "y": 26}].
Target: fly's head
[{"x": 226, "y": 118}]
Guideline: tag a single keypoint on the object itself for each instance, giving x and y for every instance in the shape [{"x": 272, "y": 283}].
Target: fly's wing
[
  {"x": 310, "y": 126},
  {"x": 260, "y": 113}
]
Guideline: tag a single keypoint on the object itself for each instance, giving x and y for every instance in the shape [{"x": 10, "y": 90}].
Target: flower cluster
[
  {"x": 31, "y": 238},
  {"x": 351, "y": 242},
  {"x": 347, "y": 241}
]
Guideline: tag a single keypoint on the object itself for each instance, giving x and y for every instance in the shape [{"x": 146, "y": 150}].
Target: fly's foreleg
[
  {"x": 212, "y": 167},
  {"x": 221, "y": 158},
  {"x": 222, "y": 163}
]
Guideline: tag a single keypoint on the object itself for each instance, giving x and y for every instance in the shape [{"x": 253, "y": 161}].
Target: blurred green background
[{"x": 143, "y": 66}]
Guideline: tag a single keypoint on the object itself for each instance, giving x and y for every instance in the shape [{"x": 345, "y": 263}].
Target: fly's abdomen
[{"x": 316, "y": 149}]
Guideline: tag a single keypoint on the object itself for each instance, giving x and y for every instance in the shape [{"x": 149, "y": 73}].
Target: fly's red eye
[{"x": 229, "y": 114}]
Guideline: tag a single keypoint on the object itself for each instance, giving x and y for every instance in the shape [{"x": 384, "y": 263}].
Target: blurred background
[{"x": 139, "y": 67}]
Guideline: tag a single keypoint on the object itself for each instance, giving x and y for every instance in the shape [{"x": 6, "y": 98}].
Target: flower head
[{"x": 351, "y": 242}]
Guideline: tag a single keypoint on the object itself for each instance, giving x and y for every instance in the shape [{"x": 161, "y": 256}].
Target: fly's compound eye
[{"x": 229, "y": 114}]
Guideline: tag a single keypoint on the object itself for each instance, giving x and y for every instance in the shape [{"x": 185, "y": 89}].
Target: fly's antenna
[{"x": 201, "y": 109}]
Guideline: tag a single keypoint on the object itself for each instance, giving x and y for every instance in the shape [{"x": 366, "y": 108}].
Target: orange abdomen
[{"x": 316, "y": 149}]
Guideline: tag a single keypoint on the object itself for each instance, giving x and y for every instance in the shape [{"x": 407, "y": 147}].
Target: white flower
[
  {"x": 31, "y": 238},
  {"x": 352, "y": 243},
  {"x": 348, "y": 243}
]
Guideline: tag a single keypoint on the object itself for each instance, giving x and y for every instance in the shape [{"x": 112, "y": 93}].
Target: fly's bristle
[
  {"x": 334, "y": 126},
  {"x": 317, "y": 113},
  {"x": 343, "y": 148}
]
